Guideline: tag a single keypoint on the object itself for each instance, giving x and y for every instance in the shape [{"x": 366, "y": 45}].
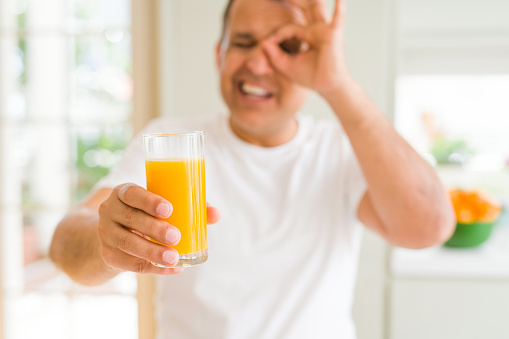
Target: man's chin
[
  {"x": 251, "y": 119},
  {"x": 263, "y": 130}
]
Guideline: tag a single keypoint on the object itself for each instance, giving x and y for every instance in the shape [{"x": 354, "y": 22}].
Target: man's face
[{"x": 260, "y": 99}]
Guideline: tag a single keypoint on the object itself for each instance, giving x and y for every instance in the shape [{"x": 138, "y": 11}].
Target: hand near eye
[{"x": 318, "y": 62}]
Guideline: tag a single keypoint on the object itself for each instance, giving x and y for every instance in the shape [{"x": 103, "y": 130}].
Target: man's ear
[{"x": 219, "y": 56}]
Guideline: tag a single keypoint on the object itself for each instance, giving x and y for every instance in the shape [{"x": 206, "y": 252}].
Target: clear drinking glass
[{"x": 175, "y": 169}]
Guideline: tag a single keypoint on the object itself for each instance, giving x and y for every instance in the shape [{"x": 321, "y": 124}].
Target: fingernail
[
  {"x": 171, "y": 257},
  {"x": 163, "y": 210},
  {"x": 173, "y": 236},
  {"x": 304, "y": 47}
]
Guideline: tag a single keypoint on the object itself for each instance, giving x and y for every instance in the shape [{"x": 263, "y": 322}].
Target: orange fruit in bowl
[
  {"x": 474, "y": 206},
  {"x": 476, "y": 215}
]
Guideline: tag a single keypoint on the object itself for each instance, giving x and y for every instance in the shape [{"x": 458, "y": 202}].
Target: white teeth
[{"x": 254, "y": 90}]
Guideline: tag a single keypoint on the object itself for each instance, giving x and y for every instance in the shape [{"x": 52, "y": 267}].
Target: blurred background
[{"x": 78, "y": 79}]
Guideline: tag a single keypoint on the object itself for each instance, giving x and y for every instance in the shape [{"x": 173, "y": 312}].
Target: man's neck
[{"x": 265, "y": 138}]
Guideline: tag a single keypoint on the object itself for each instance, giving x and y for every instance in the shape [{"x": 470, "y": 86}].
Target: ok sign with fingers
[{"x": 320, "y": 63}]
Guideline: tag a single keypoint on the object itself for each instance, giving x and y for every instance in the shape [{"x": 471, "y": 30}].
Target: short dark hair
[{"x": 226, "y": 14}]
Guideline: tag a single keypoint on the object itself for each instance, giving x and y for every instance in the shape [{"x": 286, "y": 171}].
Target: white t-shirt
[{"x": 283, "y": 259}]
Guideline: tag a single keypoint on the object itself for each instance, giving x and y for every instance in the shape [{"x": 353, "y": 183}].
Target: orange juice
[{"x": 182, "y": 183}]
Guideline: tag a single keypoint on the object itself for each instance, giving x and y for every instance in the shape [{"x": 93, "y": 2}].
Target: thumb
[{"x": 213, "y": 214}]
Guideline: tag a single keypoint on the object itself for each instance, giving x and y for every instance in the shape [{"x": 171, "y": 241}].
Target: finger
[
  {"x": 138, "y": 197},
  {"x": 280, "y": 60},
  {"x": 304, "y": 7},
  {"x": 139, "y": 234},
  {"x": 146, "y": 224},
  {"x": 318, "y": 11},
  {"x": 283, "y": 46},
  {"x": 288, "y": 32},
  {"x": 137, "y": 246},
  {"x": 339, "y": 12},
  {"x": 314, "y": 10},
  {"x": 213, "y": 215},
  {"x": 125, "y": 262}
]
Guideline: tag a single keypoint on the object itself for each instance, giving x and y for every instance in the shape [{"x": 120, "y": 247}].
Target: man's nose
[{"x": 258, "y": 62}]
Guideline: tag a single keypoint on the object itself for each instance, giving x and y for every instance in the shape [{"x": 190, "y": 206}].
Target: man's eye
[{"x": 243, "y": 45}]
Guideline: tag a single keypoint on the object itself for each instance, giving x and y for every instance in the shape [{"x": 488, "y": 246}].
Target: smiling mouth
[{"x": 254, "y": 92}]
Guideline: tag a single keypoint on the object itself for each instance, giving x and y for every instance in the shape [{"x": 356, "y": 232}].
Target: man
[{"x": 290, "y": 190}]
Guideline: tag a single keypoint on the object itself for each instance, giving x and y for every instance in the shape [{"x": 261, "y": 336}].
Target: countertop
[{"x": 488, "y": 261}]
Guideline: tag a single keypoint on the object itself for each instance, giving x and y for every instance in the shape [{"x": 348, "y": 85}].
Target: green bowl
[{"x": 470, "y": 235}]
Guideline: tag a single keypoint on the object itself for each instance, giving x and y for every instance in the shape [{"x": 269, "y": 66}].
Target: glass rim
[{"x": 191, "y": 133}]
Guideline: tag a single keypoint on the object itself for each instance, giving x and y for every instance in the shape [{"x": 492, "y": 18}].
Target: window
[
  {"x": 470, "y": 111},
  {"x": 65, "y": 106},
  {"x": 458, "y": 121},
  {"x": 451, "y": 101}
]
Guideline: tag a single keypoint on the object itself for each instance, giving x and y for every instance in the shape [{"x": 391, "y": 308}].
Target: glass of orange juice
[{"x": 175, "y": 169}]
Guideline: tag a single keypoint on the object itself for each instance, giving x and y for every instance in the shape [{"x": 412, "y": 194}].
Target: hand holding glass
[{"x": 175, "y": 169}]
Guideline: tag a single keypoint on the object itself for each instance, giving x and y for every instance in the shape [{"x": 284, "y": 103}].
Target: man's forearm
[
  {"x": 76, "y": 248},
  {"x": 403, "y": 189}
]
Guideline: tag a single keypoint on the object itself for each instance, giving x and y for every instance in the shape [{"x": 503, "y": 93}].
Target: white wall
[
  {"x": 190, "y": 30},
  {"x": 454, "y": 37}
]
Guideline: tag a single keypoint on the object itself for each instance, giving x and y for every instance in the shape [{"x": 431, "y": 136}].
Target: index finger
[
  {"x": 339, "y": 11},
  {"x": 139, "y": 198},
  {"x": 303, "y": 6},
  {"x": 291, "y": 38},
  {"x": 314, "y": 10}
]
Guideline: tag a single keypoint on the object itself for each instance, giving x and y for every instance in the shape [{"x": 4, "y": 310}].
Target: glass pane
[
  {"x": 98, "y": 149},
  {"x": 46, "y": 16},
  {"x": 32, "y": 250},
  {"x": 9, "y": 12},
  {"x": 19, "y": 8},
  {"x": 458, "y": 119},
  {"x": 97, "y": 15},
  {"x": 38, "y": 227},
  {"x": 13, "y": 81},
  {"x": 11, "y": 221},
  {"x": 47, "y": 77},
  {"x": 17, "y": 107},
  {"x": 102, "y": 82},
  {"x": 13, "y": 154},
  {"x": 45, "y": 160}
]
